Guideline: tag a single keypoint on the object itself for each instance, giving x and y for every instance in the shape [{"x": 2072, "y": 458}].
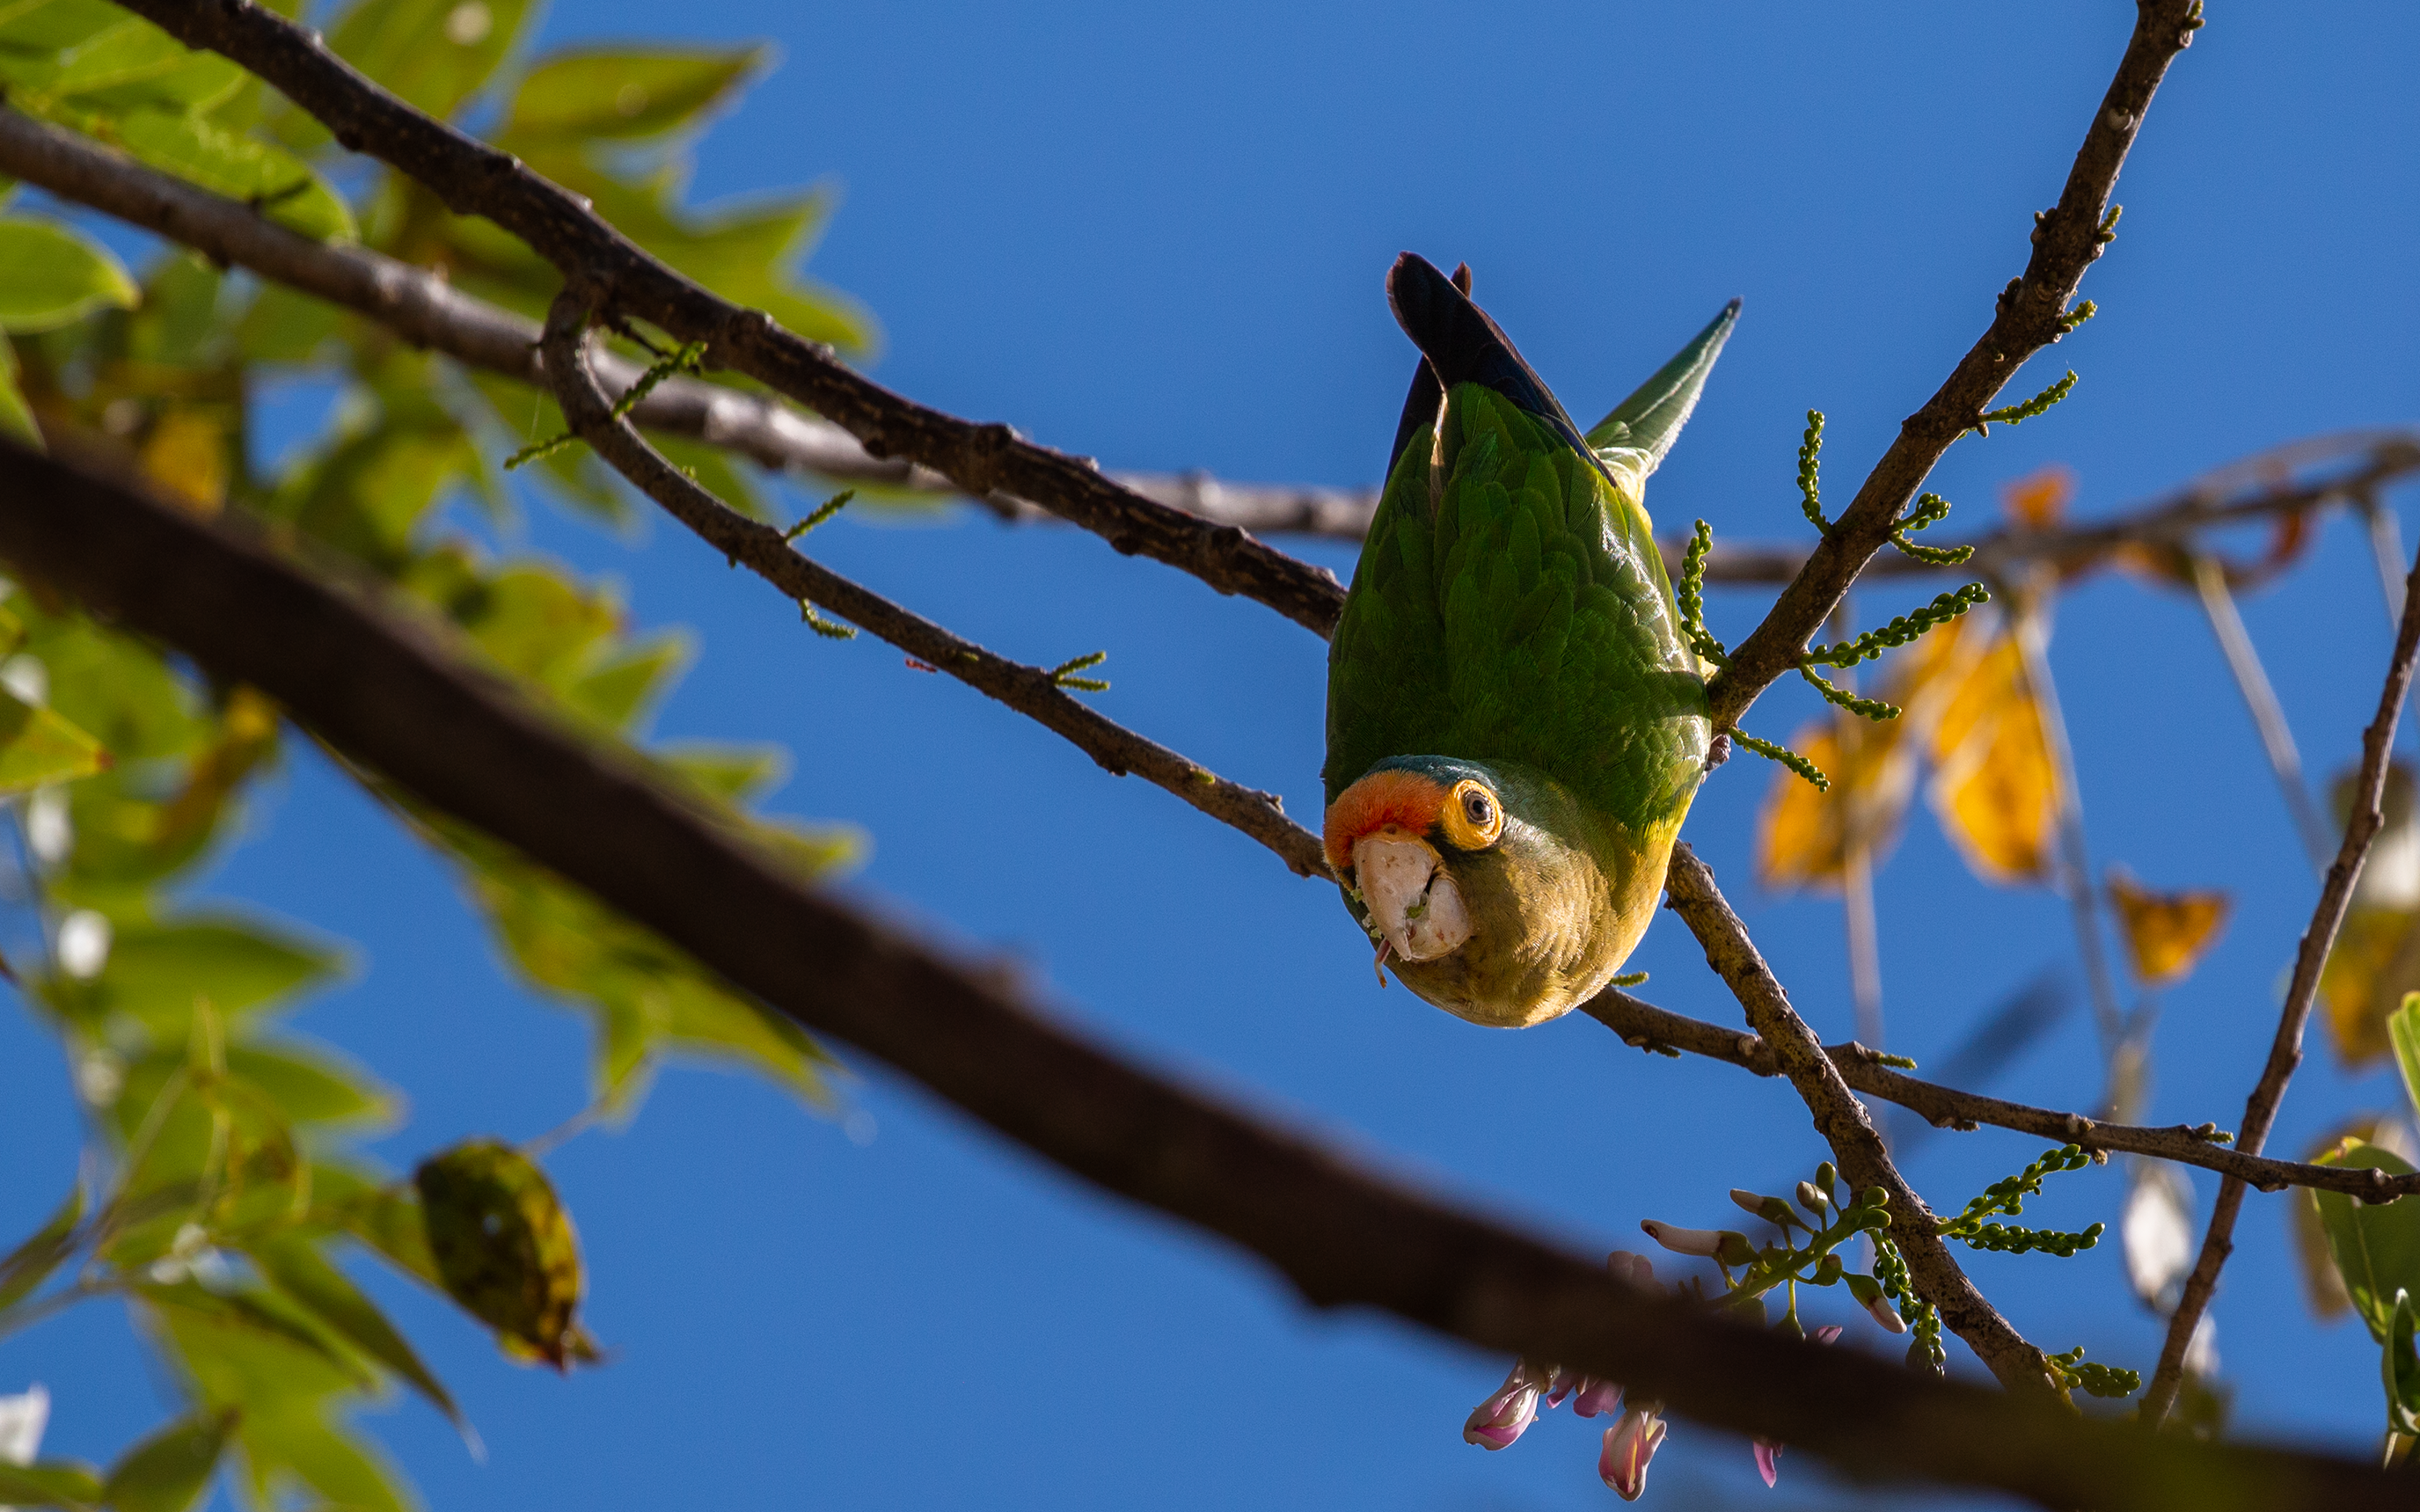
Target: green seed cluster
[
  {"x": 1811, "y": 452},
  {"x": 2039, "y": 403},
  {"x": 2075, "y": 1373},
  {"x": 2006, "y": 1196},
  {"x": 1924, "y": 1351},
  {"x": 1692, "y": 597},
  {"x": 1063, "y": 675},
  {"x": 1931, "y": 509},
  {"x": 1787, "y": 757}
]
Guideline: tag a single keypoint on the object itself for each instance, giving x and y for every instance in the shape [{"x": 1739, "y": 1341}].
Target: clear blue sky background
[{"x": 1157, "y": 236}]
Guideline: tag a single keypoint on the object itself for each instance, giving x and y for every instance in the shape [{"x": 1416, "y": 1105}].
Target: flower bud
[
  {"x": 1828, "y": 1270},
  {"x": 1629, "y": 1445},
  {"x": 1864, "y": 1287},
  {"x": 1596, "y": 1397},
  {"x": 1630, "y": 1270},
  {"x": 1494, "y": 1423},
  {"x": 1810, "y": 1198},
  {"x": 1886, "y": 1315},
  {"x": 1704, "y": 1242},
  {"x": 1825, "y": 1176}
]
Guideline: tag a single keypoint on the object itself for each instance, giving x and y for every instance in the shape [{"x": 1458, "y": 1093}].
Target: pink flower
[
  {"x": 1500, "y": 1419},
  {"x": 1768, "y": 1452},
  {"x": 1596, "y": 1397},
  {"x": 1629, "y": 1444}
]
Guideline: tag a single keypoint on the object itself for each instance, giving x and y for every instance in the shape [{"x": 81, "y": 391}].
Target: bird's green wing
[
  {"x": 1562, "y": 646},
  {"x": 1515, "y": 608}
]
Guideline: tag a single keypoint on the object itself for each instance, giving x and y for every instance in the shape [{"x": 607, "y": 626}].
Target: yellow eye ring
[{"x": 1473, "y": 817}]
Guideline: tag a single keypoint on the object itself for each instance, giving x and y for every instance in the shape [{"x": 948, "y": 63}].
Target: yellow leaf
[
  {"x": 2375, "y": 961},
  {"x": 2039, "y": 499},
  {"x": 187, "y": 456},
  {"x": 1798, "y": 837},
  {"x": 2166, "y": 933},
  {"x": 1802, "y": 832},
  {"x": 1996, "y": 787}
]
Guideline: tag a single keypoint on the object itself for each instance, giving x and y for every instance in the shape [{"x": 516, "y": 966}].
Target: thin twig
[
  {"x": 2031, "y": 314},
  {"x": 2286, "y": 1049},
  {"x": 473, "y": 179},
  {"x": 1840, "y": 1118},
  {"x": 2268, "y": 716},
  {"x": 375, "y": 685},
  {"x": 1644, "y": 1026},
  {"x": 2386, "y": 550},
  {"x": 2071, "y": 859},
  {"x": 1032, "y": 692},
  {"x": 425, "y": 310}
]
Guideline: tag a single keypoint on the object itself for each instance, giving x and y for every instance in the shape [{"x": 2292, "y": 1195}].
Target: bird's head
[{"x": 1477, "y": 883}]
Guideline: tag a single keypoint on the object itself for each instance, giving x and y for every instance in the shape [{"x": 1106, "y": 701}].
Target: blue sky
[{"x": 1157, "y": 238}]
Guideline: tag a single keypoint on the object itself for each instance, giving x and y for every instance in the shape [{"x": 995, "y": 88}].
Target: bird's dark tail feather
[{"x": 1460, "y": 343}]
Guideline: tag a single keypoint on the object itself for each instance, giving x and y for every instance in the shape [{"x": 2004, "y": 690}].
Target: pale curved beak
[{"x": 1414, "y": 903}]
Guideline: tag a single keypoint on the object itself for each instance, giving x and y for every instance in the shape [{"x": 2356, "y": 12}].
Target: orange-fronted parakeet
[{"x": 1515, "y": 726}]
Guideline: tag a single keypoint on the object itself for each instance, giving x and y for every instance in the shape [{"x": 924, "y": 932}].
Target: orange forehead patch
[{"x": 1380, "y": 800}]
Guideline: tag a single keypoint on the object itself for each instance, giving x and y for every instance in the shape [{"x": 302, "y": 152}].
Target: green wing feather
[{"x": 1525, "y": 618}]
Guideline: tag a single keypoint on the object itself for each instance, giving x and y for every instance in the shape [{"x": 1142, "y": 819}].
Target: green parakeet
[{"x": 1515, "y": 726}]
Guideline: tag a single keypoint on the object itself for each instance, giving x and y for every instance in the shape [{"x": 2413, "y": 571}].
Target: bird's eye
[{"x": 1473, "y": 818}]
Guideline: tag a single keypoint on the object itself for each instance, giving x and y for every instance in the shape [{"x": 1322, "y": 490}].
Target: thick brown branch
[
  {"x": 1840, "y": 1118},
  {"x": 2286, "y": 1048},
  {"x": 2031, "y": 314},
  {"x": 378, "y": 688},
  {"x": 1644, "y": 1026},
  {"x": 473, "y": 179},
  {"x": 1029, "y": 690}
]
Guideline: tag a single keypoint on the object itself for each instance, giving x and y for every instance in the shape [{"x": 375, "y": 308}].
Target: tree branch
[
  {"x": 2286, "y": 1048},
  {"x": 2031, "y": 314},
  {"x": 473, "y": 179},
  {"x": 425, "y": 310},
  {"x": 378, "y": 688},
  {"x": 1029, "y": 690},
  {"x": 1840, "y": 1118},
  {"x": 1644, "y": 1026}
]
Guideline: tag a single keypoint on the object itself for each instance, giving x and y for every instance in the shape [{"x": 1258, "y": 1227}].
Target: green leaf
[
  {"x": 301, "y": 1447},
  {"x": 156, "y": 970},
  {"x": 40, "y": 28},
  {"x": 32, "y": 1261},
  {"x": 2399, "y": 1364},
  {"x": 283, "y": 186},
  {"x": 253, "y": 1321},
  {"x": 68, "y": 1482},
  {"x": 16, "y": 417},
  {"x": 38, "y": 746},
  {"x": 619, "y": 688},
  {"x": 285, "y": 326},
  {"x": 588, "y": 94},
  {"x": 2403, "y": 1028},
  {"x": 385, "y": 1217},
  {"x": 730, "y": 773},
  {"x": 51, "y": 276},
  {"x": 136, "y": 64},
  {"x": 169, "y": 1471},
  {"x": 432, "y": 53},
  {"x": 296, "y": 1268},
  {"x": 311, "y": 1085},
  {"x": 2375, "y": 1247}
]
